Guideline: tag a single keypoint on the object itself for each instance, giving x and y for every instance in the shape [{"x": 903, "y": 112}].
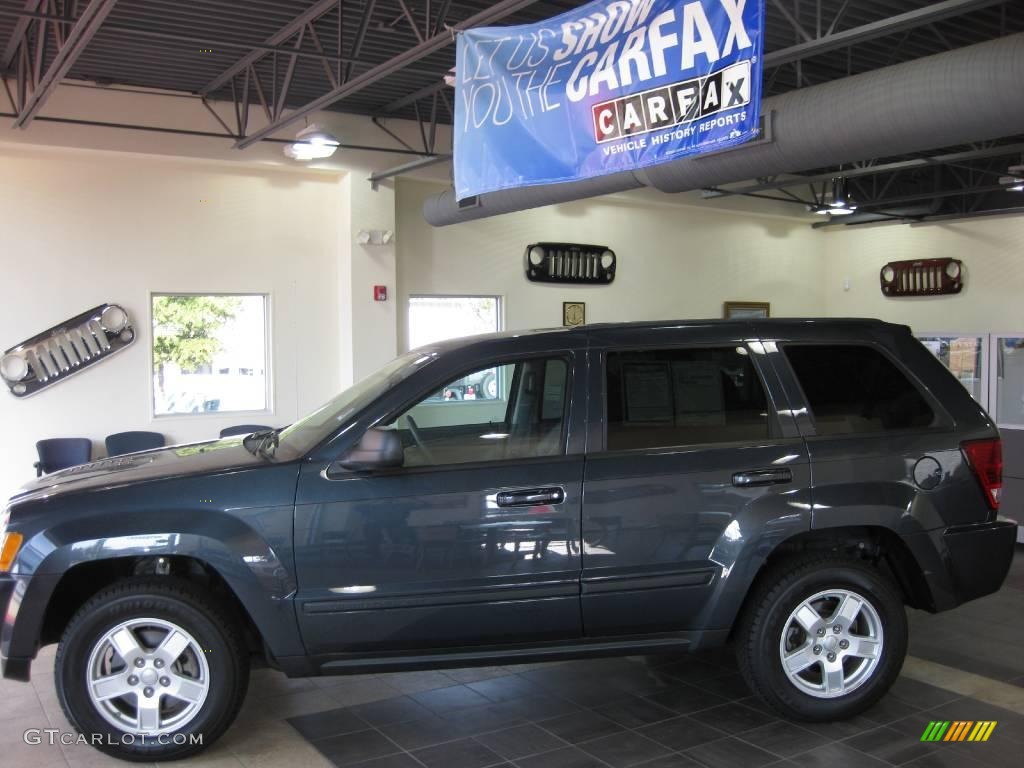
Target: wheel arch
[{"x": 876, "y": 544}]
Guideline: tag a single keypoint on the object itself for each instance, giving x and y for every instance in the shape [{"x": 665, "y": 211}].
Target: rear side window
[
  {"x": 668, "y": 397},
  {"x": 856, "y": 389}
]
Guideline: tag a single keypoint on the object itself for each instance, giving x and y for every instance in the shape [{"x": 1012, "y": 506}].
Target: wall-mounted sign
[
  {"x": 924, "y": 277},
  {"x": 610, "y": 86},
  {"x": 65, "y": 349},
  {"x": 570, "y": 263}
]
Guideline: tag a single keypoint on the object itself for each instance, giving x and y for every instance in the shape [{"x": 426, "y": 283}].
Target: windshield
[{"x": 305, "y": 434}]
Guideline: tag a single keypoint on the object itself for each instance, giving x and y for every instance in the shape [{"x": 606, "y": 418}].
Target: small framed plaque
[
  {"x": 738, "y": 310},
  {"x": 574, "y": 313}
]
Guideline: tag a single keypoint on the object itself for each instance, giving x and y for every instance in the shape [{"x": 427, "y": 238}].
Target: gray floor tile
[
  {"x": 464, "y": 753},
  {"x": 355, "y": 747},
  {"x": 681, "y": 733},
  {"x": 685, "y": 699},
  {"x": 580, "y": 726},
  {"x": 333, "y": 722},
  {"x": 625, "y": 749},
  {"x": 388, "y": 711},
  {"x": 570, "y": 757},
  {"x": 521, "y": 741},
  {"x": 446, "y": 699},
  {"x": 837, "y": 755},
  {"x": 633, "y": 712},
  {"x": 785, "y": 739},
  {"x": 733, "y": 718},
  {"x": 729, "y": 753},
  {"x": 890, "y": 745}
]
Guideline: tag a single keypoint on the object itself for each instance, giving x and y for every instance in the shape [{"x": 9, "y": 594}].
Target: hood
[{"x": 162, "y": 463}]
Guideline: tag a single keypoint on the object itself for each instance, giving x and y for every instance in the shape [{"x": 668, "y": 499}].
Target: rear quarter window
[{"x": 855, "y": 389}]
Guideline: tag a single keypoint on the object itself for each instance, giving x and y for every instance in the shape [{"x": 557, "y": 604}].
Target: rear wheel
[
  {"x": 822, "y": 638},
  {"x": 151, "y": 669}
]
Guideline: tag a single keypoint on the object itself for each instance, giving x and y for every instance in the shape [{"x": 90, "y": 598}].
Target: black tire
[
  {"x": 212, "y": 626},
  {"x": 777, "y": 594}
]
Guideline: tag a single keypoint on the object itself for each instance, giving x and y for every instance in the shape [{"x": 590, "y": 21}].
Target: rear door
[{"x": 692, "y": 475}]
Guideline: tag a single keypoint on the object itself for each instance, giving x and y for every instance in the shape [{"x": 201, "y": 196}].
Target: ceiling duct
[{"x": 966, "y": 95}]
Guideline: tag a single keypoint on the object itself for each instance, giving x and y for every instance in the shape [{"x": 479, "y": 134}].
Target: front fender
[{"x": 249, "y": 547}]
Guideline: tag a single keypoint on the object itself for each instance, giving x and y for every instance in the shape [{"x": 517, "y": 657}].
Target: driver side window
[{"x": 525, "y": 417}]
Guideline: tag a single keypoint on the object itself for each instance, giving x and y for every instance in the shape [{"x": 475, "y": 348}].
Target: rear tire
[
  {"x": 151, "y": 669},
  {"x": 822, "y": 638}
]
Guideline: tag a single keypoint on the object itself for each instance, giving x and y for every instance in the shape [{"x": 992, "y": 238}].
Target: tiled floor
[{"x": 656, "y": 712}]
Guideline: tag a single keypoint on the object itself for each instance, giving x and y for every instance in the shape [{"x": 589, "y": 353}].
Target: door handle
[
  {"x": 531, "y": 497},
  {"x": 754, "y": 477}
]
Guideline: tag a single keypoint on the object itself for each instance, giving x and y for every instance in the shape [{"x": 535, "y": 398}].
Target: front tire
[
  {"x": 151, "y": 669},
  {"x": 822, "y": 638}
]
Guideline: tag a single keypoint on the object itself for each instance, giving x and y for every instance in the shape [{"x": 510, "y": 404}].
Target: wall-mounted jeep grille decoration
[
  {"x": 66, "y": 349},
  {"x": 570, "y": 263},
  {"x": 924, "y": 277}
]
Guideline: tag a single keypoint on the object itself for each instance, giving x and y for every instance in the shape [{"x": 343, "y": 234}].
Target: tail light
[{"x": 985, "y": 458}]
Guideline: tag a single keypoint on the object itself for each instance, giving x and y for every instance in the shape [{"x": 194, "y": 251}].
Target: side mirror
[{"x": 377, "y": 449}]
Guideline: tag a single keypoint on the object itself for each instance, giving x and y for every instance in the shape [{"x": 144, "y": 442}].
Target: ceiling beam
[
  {"x": 18, "y": 35},
  {"x": 412, "y": 165},
  {"x": 283, "y": 34},
  {"x": 871, "y": 170},
  {"x": 899, "y": 23},
  {"x": 494, "y": 13},
  {"x": 415, "y": 96},
  {"x": 78, "y": 37}
]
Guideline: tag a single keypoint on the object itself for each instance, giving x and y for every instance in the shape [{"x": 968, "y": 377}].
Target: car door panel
[
  {"x": 444, "y": 556},
  {"x": 665, "y": 529}
]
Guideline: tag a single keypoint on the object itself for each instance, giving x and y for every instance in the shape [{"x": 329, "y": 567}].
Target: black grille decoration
[{"x": 570, "y": 263}]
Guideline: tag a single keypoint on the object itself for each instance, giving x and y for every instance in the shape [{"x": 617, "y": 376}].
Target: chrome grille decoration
[{"x": 66, "y": 349}]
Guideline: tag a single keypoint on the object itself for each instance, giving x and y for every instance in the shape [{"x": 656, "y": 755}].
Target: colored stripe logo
[{"x": 958, "y": 730}]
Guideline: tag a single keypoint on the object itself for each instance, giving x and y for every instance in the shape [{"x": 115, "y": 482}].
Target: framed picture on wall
[
  {"x": 574, "y": 313},
  {"x": 742, "y": 309}
]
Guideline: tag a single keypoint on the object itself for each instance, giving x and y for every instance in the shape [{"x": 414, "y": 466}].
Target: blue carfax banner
[{"x": 610, "y": 86}]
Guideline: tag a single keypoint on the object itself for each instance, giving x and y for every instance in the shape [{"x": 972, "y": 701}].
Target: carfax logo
[
  {"x": 958, "y": 730},
  {"x": 682, "y": 102}
]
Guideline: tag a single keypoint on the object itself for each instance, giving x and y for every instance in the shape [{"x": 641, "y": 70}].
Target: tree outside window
[{"x": 209, "y": 353}]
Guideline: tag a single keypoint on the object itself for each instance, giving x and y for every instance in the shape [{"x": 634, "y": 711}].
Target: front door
[
  {"x": 474, "y": 541},
  {"x": 697, "y": 476}
]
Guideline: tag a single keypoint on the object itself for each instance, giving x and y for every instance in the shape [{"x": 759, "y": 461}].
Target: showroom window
[
  {"x": 209, "y": 353},
  {"x": 856, "y": 389},
  {"x": 439, "y": 318},
  {"x": 1008, "y": 381},
  {"x": 965, "y": 355},
  {"x": 524, "y": 421},
  {"x": 668, "y": 397}
]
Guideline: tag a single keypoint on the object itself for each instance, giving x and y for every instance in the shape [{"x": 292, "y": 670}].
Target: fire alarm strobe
[
  {"x": 380, "y": 293},
  {"x": 924, "y": 277}
]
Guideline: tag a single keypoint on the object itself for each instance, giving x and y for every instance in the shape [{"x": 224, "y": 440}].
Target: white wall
[
  {"x": 992, "y": 249},
  {"x": 675, "y": 260},
  {"x": 81, "y": 228}
]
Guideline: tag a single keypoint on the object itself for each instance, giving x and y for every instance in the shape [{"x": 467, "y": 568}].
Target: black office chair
[
  {"x": 121, "y": 443},
  {"x": 243, "y": 429},
  {"x": 62, "y": 452}
]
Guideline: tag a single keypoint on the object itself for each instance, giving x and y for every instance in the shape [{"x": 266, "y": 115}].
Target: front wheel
[
  {"x": 822, "y": 638},
  {"x": 151, "y": 669}
]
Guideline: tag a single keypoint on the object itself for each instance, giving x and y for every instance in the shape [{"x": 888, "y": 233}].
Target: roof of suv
[{"x": 778, "y": 325}]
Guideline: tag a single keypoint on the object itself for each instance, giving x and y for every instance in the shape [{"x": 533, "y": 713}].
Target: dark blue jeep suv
[{"x": 789, "y": 485}]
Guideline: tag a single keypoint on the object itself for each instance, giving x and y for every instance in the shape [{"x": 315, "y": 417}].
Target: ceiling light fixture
[
  {"x": 312, "y": 143},
  {"x": 1015, "y": 181},
  {"x": 839, "y": 204}
]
